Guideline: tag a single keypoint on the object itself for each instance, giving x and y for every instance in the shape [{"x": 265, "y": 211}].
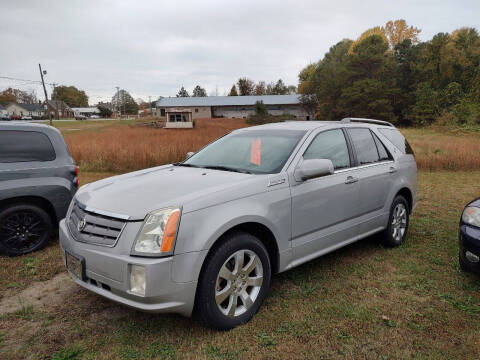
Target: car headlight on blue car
[
  {"x": 471, "y": 216},
  {"x": 158, "y": 233}
]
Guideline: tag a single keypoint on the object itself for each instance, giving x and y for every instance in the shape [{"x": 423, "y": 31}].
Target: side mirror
[
  {"x": 189, "y": 154},
  {"x": 313, "y": 168}
]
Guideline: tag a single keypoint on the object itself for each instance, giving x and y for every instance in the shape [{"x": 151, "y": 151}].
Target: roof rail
[{"x": 369, "y": 121}]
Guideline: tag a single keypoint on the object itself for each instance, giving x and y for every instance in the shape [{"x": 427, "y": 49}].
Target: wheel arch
[
  {"x": 257, "y": 229},
  {"x": 407, "y": 194},
  {"x": 39, "y": 201}
]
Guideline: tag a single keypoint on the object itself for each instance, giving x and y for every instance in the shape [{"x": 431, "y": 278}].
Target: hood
[{"x": 135, "y": 194}]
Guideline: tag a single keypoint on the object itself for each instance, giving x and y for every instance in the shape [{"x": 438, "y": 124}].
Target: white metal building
[{"x": 233, "y": 106}]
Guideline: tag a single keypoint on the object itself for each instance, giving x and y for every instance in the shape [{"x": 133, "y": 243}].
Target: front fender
[{"x": 200, "y": 229}]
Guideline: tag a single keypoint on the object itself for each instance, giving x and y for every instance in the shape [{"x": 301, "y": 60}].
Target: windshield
[{"x": 252, "y": 151}]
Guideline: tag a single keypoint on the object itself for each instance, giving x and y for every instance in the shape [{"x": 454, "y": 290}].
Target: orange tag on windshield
[{"x": 256, "y": 152}]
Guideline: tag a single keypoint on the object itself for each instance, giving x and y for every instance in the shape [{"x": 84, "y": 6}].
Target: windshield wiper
[{"x": 226, "y": 168}]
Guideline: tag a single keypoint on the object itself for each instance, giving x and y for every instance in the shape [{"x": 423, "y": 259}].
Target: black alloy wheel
[{"x": 23, "y": 228}]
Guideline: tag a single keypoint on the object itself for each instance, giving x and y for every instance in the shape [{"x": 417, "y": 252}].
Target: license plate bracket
[{"x": 75, "y": 265}]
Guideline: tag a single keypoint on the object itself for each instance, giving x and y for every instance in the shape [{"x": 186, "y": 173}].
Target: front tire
[
  {"x": 398, "y": 221},
  {"x": 234, "y": 282},
  {"x": 24, "y": 228}
]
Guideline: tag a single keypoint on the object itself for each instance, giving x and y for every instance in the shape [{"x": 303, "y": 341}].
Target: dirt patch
[{"x": 40, "y": 295}]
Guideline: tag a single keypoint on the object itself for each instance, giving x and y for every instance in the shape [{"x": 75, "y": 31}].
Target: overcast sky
[{"x": 151, "y": 48}]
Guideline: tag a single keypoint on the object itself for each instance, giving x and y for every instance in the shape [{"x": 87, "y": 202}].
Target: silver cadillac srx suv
[{"x": 210, "y": 231}]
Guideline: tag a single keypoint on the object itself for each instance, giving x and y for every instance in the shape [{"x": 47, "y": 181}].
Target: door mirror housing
[
  {"x": 313, "y": 168},
  {"x": 189, "y": 154}
]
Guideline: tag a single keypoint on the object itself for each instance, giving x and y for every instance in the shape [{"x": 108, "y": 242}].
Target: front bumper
[
  {"x": 469, "y": 238},
  {"x": 107, "y": 274}
]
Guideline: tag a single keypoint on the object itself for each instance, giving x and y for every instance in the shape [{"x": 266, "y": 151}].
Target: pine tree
[
  {"x": 183, "y": 93},
  {"x": 233, "y": 91},
  {"x": 426, "y": 108},
  {"x": 198, "y": 91}
]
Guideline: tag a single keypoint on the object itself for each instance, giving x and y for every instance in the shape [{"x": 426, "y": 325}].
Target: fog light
[
  {"x": 471, "y": 257},
  {"x": 137, "y": 280}
]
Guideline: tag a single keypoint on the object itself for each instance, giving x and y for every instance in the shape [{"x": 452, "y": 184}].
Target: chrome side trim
[{"x": 364, "y": 166}]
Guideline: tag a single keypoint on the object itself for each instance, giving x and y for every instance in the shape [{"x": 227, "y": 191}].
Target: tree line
[
  {"x": 245, "y": 86},
  {"x": 19, "y": 96},
  {"x": 72, "y": 96},
  {"x": 387, "y": 73}
]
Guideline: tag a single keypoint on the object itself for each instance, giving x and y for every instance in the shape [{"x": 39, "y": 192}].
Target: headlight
[
  {"x": 158, "y": 233},
  {"x": 471, "y": 215}
]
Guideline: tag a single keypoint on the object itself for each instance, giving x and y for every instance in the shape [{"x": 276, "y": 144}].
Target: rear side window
[
  {"x": 397, "y": 139},
  {"x": 382, "y": 150},
  {"x": 20, "y": 146},
  {"x": 330, "y": 145},
  {"x": 365, "y": 146}
]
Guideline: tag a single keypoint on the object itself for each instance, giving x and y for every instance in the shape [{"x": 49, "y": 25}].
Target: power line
[{"x": 24, "y": 80}]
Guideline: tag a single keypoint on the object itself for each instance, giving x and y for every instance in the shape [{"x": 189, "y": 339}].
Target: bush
[
  {"x": 260, "y": 109},
  {"x": 467, "y": 112},
  {"x": 446, "y": 119}
]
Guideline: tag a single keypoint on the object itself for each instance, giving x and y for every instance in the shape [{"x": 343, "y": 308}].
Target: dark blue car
[{"x": 469, "y": 256}]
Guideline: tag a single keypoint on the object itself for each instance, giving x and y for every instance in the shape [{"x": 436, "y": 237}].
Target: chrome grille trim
[{"x": 100, "y": 229}]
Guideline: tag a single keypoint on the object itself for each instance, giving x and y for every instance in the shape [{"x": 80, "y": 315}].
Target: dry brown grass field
[
  {"x": 123, "y": 148},
  {"x": 126, "y": 147},
  {"x": 445, "y": 149},
  {"x": 360, "y": 302}
]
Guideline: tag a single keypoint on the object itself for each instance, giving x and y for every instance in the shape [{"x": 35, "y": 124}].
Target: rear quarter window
[
  {"x": 397, "y": 139},
  {"x": 22, "y": 146}
]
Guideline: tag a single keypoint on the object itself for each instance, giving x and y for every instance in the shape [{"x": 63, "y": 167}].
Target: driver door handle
[{"x": 351, "y": 180}]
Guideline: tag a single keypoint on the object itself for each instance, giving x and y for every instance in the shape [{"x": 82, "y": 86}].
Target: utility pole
[
  {"x": 123, "y": 102},
  {"x": 45, "y": 91},
  {"x": 118, "y": 101},
  {"x": 56, "y": 101}
]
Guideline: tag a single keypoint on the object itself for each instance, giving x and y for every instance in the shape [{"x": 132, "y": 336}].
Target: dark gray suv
[{"x": 38, "y": 179}]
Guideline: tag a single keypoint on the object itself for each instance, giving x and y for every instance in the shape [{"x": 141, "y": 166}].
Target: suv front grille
[{"x": 95, "y": 228}]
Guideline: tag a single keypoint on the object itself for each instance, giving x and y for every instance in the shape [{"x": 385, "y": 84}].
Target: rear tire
[
  {"x": 398, "y": 221},
  {"x": 24, "y": 228},
  {"x": 234, "y": 282}
]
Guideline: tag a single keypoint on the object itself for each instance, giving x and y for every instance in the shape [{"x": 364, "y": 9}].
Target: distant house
[
  {"x": 86, "y": 111},
  {"x": 233, "y": 106},
  {"x": 3, "y": 111},
  {"x": 59, "y": 109},
  {"x": 33, "y": 110}
]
